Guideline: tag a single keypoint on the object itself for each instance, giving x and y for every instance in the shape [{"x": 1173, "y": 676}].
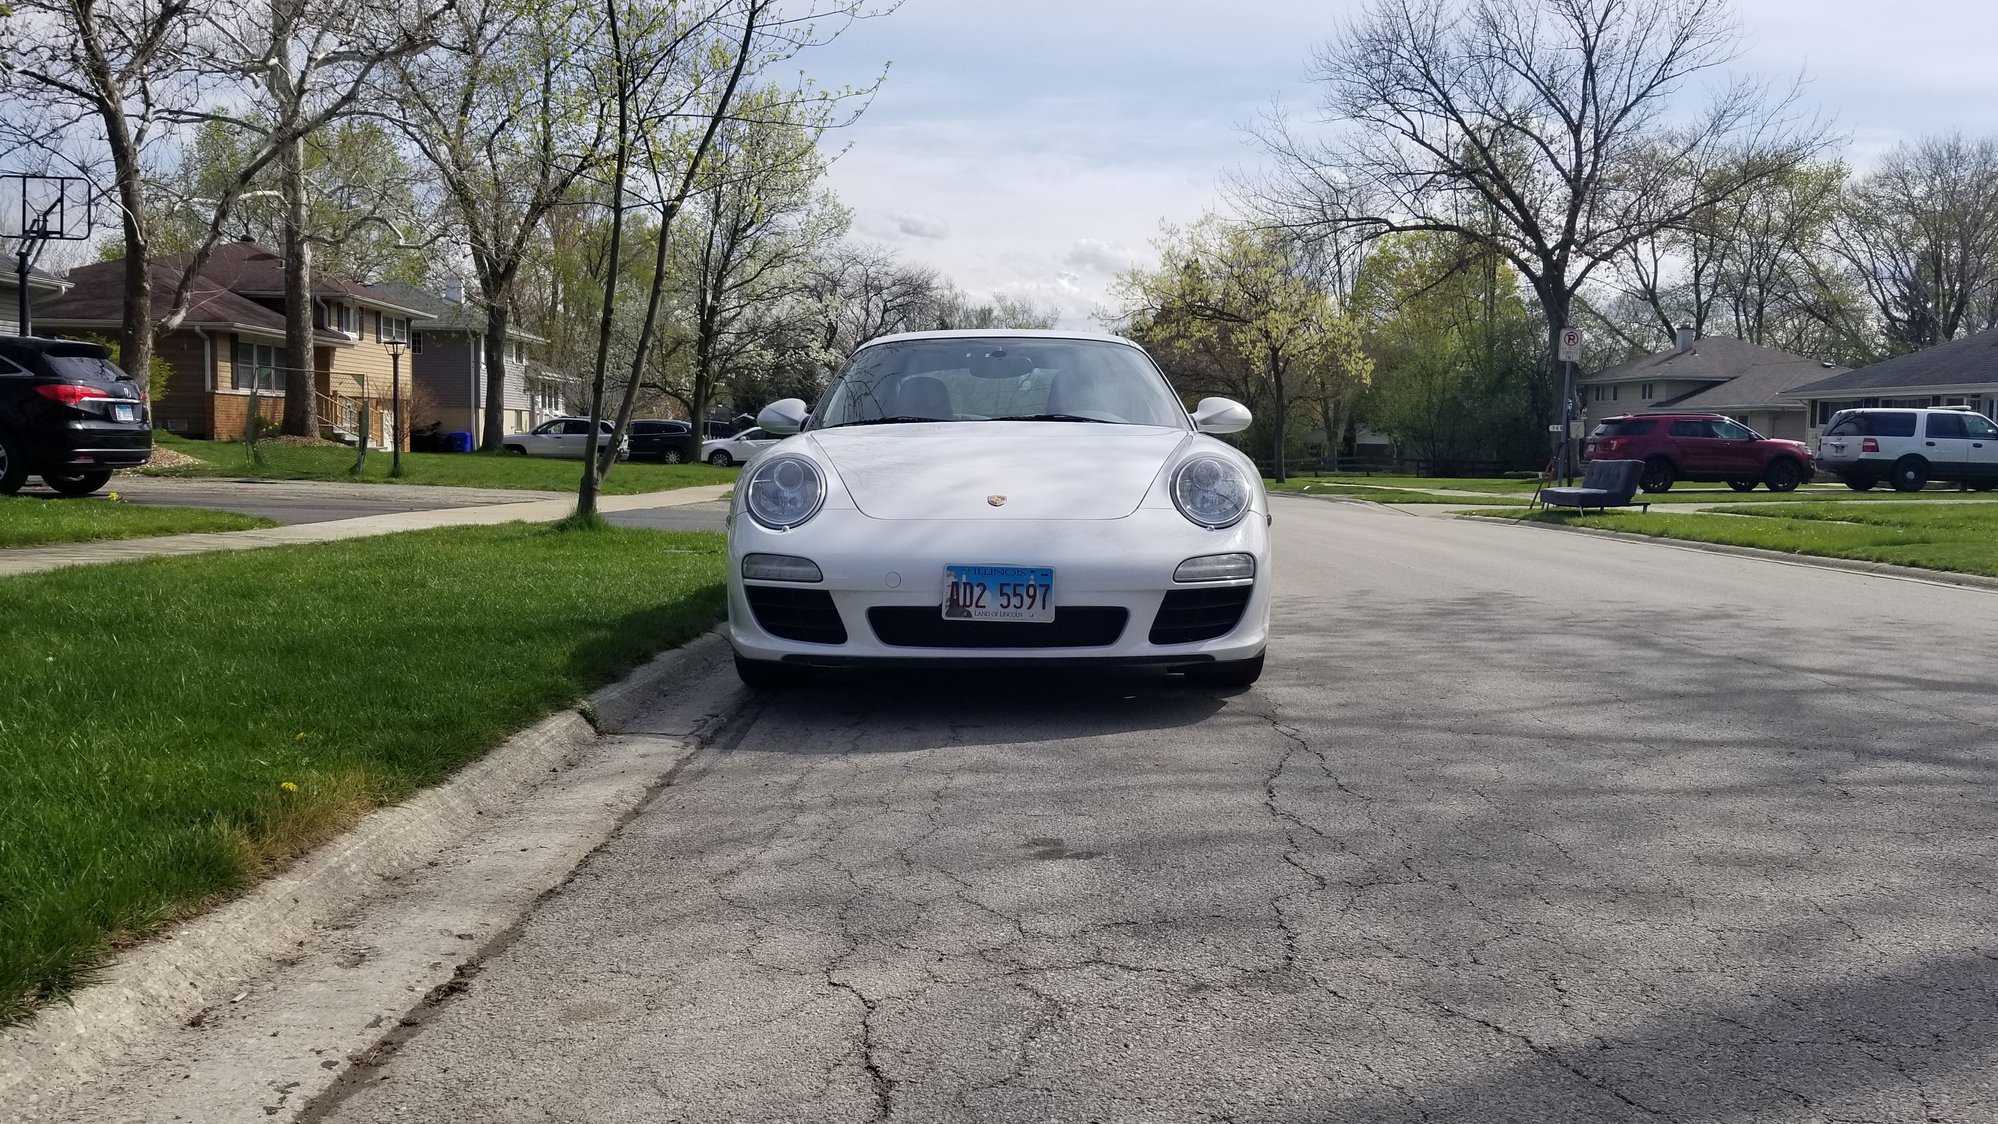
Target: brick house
[
  {"x": 447, "y": 364},
  {"x": 232, "y": 341}
]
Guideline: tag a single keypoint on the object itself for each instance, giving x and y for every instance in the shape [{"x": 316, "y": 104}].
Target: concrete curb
[
  {"x": 154, "y": 990},
  {"x": 1850, "y": 566}
]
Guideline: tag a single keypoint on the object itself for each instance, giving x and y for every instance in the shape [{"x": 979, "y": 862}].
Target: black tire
[
  {"x": 1658, "y": 475},
  {"x": 1911, "y": 474},
  {"x": 1860, "y": 483},
  {"x": 517, "y": 450},
  {"x": 1784, "y": 475},
  {"x": 1233, "y": 673},
  {"x": 80, "y": 484},
  {"x": 672, "y": 456},
  {"x": 1742, "y": 485},
  {"x": 769, "y": 675},
  {"x": 13, "y": 468},
  {"x": 720, "y": 458}
]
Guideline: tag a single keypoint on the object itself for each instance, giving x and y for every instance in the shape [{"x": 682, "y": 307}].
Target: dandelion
[
  {"x": 300, "y": 736},
  {"x": 112, "y": 496},
  {"x": 289, "y": 786}
]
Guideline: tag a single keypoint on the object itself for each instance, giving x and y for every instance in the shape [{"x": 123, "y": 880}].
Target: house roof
[
  {"x": 39, "y": 280},
  {"x": 220, "y": 297},
  {"x": 1741, "y": 374},
  {"x": 441, "y": 314},
  {"x": 1970, "y": 361}
]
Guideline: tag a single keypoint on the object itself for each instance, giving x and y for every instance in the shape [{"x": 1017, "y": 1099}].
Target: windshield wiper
[
  {"x": 898, "y": 419},
  {"x": 1054, "y": 417}
]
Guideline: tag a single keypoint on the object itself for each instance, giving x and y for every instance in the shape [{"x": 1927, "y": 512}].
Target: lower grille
[
  {"x": 804, "y": 615},
  {"x": 924, "y": 626},
  {"x": 1187, "y": 616}
]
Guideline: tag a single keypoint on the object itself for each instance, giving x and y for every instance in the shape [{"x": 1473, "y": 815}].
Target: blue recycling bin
[{"x": 459, "y": 441}]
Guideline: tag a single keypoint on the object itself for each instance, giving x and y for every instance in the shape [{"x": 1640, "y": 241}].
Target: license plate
[
  {"x": 998, "y": 593},
  {"x": 124, "y": 413}
]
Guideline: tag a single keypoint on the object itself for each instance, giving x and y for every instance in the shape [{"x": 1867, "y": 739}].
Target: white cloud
[
  {"x": 917, "y": 225},
  {"x": 1094, "y": 255}
]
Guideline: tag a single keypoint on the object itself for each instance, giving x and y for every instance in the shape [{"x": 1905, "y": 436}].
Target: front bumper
[{"x": 1105, "y": 565}]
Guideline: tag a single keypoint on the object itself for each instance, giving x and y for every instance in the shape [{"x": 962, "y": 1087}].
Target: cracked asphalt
[{"x": 1520, "y": 826}]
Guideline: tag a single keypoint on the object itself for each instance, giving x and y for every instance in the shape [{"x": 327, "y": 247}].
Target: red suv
[{"x": 1678, "y": 447}]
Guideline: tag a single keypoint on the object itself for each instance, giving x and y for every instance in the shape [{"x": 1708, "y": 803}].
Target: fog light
[
  {"x": 780, "y": 568},
  {"x": 1216, "y": 568}
]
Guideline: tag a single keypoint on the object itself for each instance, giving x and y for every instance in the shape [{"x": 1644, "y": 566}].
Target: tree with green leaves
[{"x": 1249, "y": 298}]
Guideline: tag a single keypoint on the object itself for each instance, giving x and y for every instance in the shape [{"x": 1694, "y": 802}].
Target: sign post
[{"x": 1570, "y": 353}]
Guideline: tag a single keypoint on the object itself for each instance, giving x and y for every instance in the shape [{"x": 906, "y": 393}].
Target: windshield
[
  {"x": 1000, "y": 379},
  {"x": 84, "y": 368}
]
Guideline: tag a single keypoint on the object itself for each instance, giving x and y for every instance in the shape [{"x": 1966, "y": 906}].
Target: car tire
[
  {"x": 720, "y": 459},
  {"x": 1860, "y": 483},
  {"x": 78, "y": 484},
  {"x": 13, "y": 467},
  {"x": 1783, "y": 475},
  {"x": 672, "y": 456},
  {"x": 1658, "y": 475},
  {"x": 1232, "y": 673},
  {"x": 1911, "y": 474},
  {"x": 769, "y": 675},
  {"x": 1742, "y": 485},
  {"x": 517, "y": 450}
]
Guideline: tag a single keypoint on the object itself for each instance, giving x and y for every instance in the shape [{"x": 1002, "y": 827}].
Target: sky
[{"x": 1033, "y": 148}]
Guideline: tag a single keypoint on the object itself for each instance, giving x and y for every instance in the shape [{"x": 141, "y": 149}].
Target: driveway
[{"x": 1521, "y": 826}]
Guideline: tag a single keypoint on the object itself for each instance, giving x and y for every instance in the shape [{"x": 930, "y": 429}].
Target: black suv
[
  {"x": 662, "y": 440},
  {"x": 67, "y": 415}
]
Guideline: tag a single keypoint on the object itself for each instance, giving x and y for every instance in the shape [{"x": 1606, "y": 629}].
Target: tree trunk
[
  {"x": 1554, "y": 301},
  {"x": 301, "y": 400},
  {"x": 493, "y": 419},
  {"x": 135, "y": 330}
]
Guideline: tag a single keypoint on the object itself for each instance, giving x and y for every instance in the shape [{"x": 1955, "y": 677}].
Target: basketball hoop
[{"x": 36, "y": 210}]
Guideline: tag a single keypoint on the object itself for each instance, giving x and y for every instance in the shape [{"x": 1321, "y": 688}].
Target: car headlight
[
  {"x": 784, "y": 492},
  {"x": 1212, "y": 492}
]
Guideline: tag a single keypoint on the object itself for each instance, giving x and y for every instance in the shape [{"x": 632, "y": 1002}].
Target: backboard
[{"x": 52, "y": 208}]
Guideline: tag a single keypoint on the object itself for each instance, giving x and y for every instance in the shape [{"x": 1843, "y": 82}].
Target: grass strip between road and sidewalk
[
  {"x": 174, "y": 728},
  {"x": 32, "y": 521},
  {"x": 1958, "y": 537},
  {"x": 231, "y": 460},
  {"x": 1396, "y": 495}
]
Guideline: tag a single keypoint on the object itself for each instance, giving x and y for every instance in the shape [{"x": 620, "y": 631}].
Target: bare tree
[
  {"x": 1920, "y": 235},
  {"x": 1549, "y": 130}
]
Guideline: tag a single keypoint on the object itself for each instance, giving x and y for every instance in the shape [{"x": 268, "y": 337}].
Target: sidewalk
[{"x": 33, "y": 559}]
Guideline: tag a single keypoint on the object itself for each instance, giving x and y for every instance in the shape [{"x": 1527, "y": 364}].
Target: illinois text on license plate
[
  {"x": 998, "y": 593},
  {"x": 124, "y": 413}
]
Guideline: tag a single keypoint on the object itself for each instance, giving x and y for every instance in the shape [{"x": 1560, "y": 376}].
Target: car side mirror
[
  {"x": 1221, "y": 415},
  {"x": 784, "y": 417}
]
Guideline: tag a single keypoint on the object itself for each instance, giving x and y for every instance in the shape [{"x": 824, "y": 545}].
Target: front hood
[{"x": 1044, "y": 470}]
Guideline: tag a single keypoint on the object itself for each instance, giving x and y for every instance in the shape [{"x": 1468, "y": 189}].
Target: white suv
[{"x": 1909, "y": 448}]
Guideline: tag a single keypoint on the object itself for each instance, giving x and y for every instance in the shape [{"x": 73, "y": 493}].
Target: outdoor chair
[{"x": 1605, "y": 484}]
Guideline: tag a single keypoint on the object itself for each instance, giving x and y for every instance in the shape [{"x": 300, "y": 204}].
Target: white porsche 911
[{"x": 996, "y": 498}]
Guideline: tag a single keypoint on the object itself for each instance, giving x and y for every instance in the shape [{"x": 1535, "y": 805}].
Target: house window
[
  {"x": 551, "y": 398},
  {"x": 1645, "y": 393},
  {"x": 346, "y": 318},
  {"x": 519, "y": 351},
  {"x": 257, "y": 367},
  {"x": 388, "y": 328},
  {"x": 1615, "y": 392},
  {"x": 416, "y": 343}
]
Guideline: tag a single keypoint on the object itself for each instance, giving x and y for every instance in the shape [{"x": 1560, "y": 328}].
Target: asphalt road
[{"x": 1520, "y": 826}]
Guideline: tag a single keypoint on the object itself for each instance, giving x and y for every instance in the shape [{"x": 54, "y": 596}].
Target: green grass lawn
[
  {"x": 1959, "y": 537},
  {"x": 1455, "y": 484},
  {"x": 32, "y": 521},
  {"x": 466, "y": 470},
  {"x": 172, "y": 728},
  {"x": 1397, "y": 495}
]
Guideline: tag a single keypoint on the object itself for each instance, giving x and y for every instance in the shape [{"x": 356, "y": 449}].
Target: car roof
[
  {"x": 1001, "y": 333},
  {"x": 25, "y": 345}
]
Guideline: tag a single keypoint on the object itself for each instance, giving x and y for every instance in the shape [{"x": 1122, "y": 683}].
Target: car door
[
  {"x": 750, "y": 442},
  {"x": 1946, "y": 444},
  {"x": 1982, "y": 457},
  {"x": 1735, "y": 449},
  {"x": 545, "y": 441},
  {"x": 1695, "y": 451}
]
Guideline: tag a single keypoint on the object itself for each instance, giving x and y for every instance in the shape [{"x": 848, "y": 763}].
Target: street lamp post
[{"x": 395, "y": 350}]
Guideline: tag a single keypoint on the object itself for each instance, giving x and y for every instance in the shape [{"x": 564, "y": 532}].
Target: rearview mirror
[
  {"x": 1221, "y": 415},
  {"x": 784, "y": 417}
]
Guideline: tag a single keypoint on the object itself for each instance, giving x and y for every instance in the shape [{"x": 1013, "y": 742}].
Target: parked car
[
  {"x": 725, "y": 451},
  {"x": 1908, "y": 448},
  {"x": 662, "y": 439},
  {"x": 67, "y": 415},
  {"x": 1700, "y": 447},
  {"x": 563, "y": 437},
  {"x": 929, "y": 511}
]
